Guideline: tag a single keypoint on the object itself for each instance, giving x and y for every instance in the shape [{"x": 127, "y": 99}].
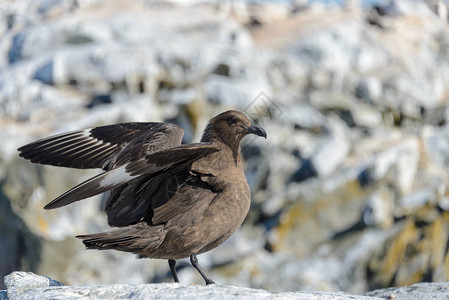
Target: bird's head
[{"x": 230, "y": 127}]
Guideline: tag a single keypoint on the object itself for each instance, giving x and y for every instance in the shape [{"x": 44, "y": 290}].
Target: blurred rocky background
[{"x": 350, "y": 190}]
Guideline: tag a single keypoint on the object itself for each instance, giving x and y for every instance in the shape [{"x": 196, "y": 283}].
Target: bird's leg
[
  {"x": 196, "y": 265},
  {"x": 172, "y": 264}
]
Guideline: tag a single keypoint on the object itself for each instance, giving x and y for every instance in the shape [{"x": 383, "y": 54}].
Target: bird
[{"x": 167, "y": 200}]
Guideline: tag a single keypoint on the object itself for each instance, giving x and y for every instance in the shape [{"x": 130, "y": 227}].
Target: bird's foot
[
  {"x": 172, "y": 264},
  {"x": 196, "y": 265}
]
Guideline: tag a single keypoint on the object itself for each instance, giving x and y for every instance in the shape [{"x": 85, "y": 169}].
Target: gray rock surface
[
  {"x": 18, "y": 283},
  {"x": 23, "y": 286},
  {"x": 419, "y": 291},
  {"x": 27, "y": 286}
]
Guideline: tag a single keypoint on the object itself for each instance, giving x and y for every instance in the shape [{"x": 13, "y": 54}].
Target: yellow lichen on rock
[
  {"x": 415, "y": 253},
  {"x": 315, "y": 217}
]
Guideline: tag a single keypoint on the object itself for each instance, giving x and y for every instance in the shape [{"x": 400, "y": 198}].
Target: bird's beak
[{"x": 256, "y": 130}]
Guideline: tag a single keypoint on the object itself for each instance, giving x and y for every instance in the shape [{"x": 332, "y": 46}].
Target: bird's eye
[{"x": 232, "y": 121}]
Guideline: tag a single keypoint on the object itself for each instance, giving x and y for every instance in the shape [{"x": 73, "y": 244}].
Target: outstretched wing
[
  {"x": 158, "y": 198},
  {"x": 103, "y": 147},
  {"x": 163, "y": 161}
]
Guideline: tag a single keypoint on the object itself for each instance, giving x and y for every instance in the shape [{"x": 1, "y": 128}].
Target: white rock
[
  {"x": 18, "y": 283},
  {"x": 331, "y": 152},
  {"x": 24, "y": 286}
]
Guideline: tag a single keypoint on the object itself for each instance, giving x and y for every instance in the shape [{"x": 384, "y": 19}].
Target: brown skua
[{"x": 169, "y": 200}]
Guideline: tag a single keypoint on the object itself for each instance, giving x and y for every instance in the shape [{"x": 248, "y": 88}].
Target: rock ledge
[{"x": 26, "y": 285}]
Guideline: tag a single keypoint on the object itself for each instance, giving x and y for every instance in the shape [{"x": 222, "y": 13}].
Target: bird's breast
[
  {"x": 225, "y": 214},
  {"x": 230, "y": 207}
]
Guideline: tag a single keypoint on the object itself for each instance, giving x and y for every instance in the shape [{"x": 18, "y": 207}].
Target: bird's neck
[{"x": 232, "y": 147}]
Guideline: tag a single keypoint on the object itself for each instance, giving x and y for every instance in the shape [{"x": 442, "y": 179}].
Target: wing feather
[
  {"x": 181, "y": 157},
  {"x": 103, "y": 147}
]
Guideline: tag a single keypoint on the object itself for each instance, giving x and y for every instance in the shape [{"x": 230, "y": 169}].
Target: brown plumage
[{"x": 170, "y": 201}]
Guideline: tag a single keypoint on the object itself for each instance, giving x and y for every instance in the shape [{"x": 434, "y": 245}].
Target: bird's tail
[
  {"x": 139, "y": 239},
  {"x": 107, "y": 240}
]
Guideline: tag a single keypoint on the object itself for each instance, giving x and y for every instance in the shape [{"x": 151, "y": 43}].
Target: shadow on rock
[{"x": 19, "y": 248}]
